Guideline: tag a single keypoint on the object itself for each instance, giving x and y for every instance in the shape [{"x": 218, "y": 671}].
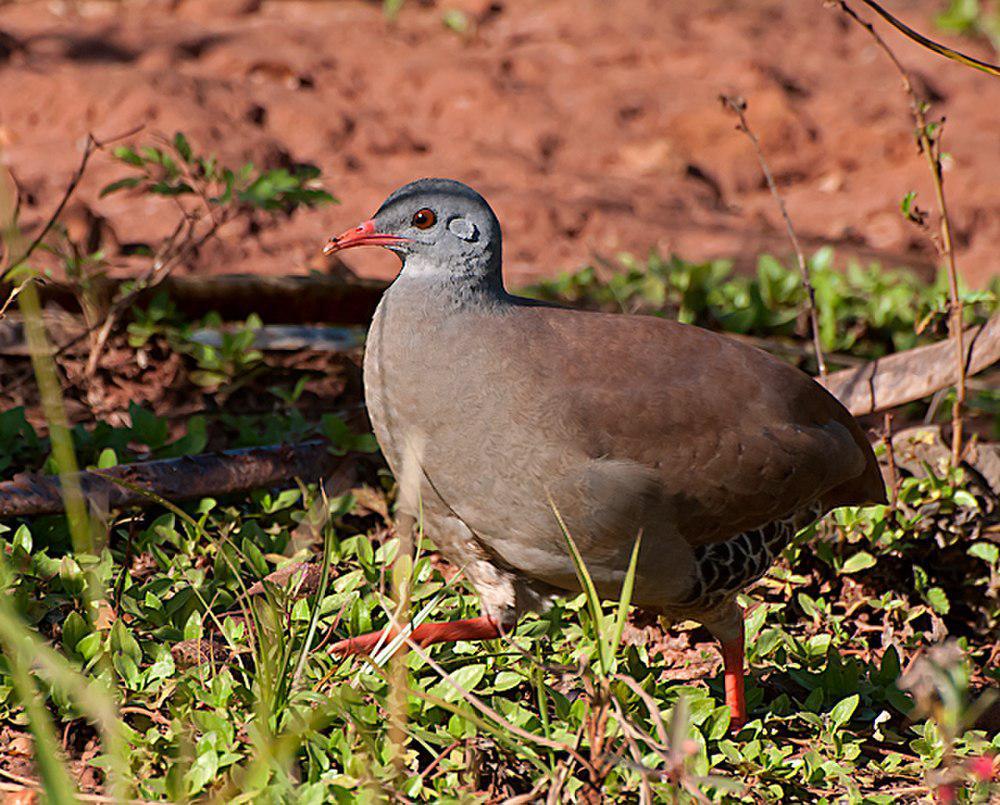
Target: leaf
[
  {"x": 844, "y": 709},
  {"x": 202, "y": 771},
  {"x": 965, "y": 499},
  {"x": 467, "y": 677},
  {"x": 590, "y": 592},
  {"x": 860, "y": 561},
  {"x": 938, "y": 600},
  {"x": 128, "y": 155},
  {"x": 890, "y": 667},
  {"x": 986, "y": 551},
  {"x": 626, "y": 595},
  {"x": 147, "y": 428},
  {"x": 22, "y": 538},
  {"x": 182, "y": 146},
  {"x": 74, "y": 630},
  {"x": 107, "y": 459},
  {"x": 121, "y": 184}
]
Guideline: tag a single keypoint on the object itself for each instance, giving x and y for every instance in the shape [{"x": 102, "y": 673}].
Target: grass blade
[
  {"x": 625, "y": 600},
  {"x": 590, "y": 592}
]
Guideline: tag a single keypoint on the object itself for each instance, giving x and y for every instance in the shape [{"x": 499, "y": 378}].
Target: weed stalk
[
  {"x": 739, "y": 106},
  {"x": 928, "y": 136}
]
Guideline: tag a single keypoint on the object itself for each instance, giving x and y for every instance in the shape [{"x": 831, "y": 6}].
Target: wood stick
[
  {"x": 911, "y": 375},
  {"x": 176, "y": 479},
  {"x": 278, "y": 300}
]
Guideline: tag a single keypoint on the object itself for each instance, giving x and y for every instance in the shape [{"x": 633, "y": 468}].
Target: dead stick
[
  {"x": 290, "y": 299},
  {"x": 739, "y": 106},
  {"x": 914, "y": 374},
  {"x": 930, "y": 146},
  {"x": 174, "y": 479}
]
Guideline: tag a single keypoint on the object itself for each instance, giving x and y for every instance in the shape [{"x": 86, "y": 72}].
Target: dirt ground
[{"x": 592, "y": 127}]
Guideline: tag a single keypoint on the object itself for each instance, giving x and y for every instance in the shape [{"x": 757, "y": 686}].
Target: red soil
[{"x": 593, "y": 127}]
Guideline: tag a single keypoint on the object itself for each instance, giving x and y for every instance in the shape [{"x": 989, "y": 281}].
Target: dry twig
[
  {"x": 738, "y": 106},
  {"x": 929, "y": 141},
  {"x": 930, "y": 44},
  {"x": 890, "y": 455},
  {"x": 92, "y": 144}
]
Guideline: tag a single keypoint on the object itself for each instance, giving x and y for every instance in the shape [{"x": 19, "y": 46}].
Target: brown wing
[{"x": 735, "y": 437}]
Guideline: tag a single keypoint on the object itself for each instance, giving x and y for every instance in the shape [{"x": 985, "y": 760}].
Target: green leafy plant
[
  {"x": 173, "y": 169},
  {"x": 866, "y": 311}
]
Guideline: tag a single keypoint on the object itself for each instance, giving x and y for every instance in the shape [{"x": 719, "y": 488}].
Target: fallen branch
[
  {"x": 278, "y": 300},
  {"x": 290, "y": 338},
  {"x": 914, "y": 374},
  {"x": 177, "y": 479}
]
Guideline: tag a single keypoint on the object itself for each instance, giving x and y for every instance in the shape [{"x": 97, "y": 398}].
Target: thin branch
[
  {"x": 930, "y": 146},
  {"x": 930, "y": 44},
  {"x": 739, "y": 106},
  {"x": 890, "y": 455},
  {"x": 92, "y": 145},
  {"x": 158, "y": 271}
]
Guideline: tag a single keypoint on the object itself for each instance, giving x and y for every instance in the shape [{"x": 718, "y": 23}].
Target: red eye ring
[{"x": 424, "y": 219}]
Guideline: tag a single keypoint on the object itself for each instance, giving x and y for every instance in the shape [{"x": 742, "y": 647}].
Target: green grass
[
  {"x": 828, "y": 717},
  {"x": 272, "y": 716}
]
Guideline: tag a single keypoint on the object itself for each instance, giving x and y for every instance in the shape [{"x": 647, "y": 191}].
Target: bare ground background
[{"x": 593, "y": 127}]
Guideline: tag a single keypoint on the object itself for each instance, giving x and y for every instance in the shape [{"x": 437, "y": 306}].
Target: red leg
[
  {"x": 481, "y": 628},
  {"x": 732, "y": 660}
]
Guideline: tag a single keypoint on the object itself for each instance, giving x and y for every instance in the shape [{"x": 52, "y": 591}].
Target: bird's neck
[{"x": 461, "y": 283}]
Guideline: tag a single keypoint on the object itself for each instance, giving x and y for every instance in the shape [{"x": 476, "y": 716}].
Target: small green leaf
[
  {"x": 182, "y": 146},
  {"x": 121, "y": 184},
  {"x": 965, "y": 499},
  {"x": 986, "y": 551},
  {"x": 22, "y": 538},
  {"x": 844, "y": 709},
  {"x": 860, "y": 561},
  {"x": 128, "y": 155},
  {"x": 107, "y": 459},
  {"x": 626, "y": 595},
  {"x": 74, "y": 630},
  {"x": 938, "y": 600},
  {"x": 467, "y": 677},
  {"x": 202, "y": 771}
]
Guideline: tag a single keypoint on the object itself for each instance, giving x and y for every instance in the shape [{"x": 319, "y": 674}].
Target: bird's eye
[{"x": 424, "y": 219}]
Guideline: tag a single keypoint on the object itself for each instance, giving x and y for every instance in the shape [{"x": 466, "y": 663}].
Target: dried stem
[
  {"x": 930, "y": 44},
  {"x": 890, "y": 455},
  {"x": 929, "y": 142},
  {"x": 171, "y": 254},
  {"x": 92, "y": 145},
  {"x": 739, "y": 106}
]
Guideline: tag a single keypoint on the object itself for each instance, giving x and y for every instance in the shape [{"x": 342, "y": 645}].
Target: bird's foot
[{"x": 481, "y": 628}]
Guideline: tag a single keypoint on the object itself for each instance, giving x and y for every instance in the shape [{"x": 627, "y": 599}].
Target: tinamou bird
[{"x": 496, "y": 412}]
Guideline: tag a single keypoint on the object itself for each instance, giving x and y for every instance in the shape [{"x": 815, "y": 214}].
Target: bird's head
[{"x": 437, "y": 226}]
